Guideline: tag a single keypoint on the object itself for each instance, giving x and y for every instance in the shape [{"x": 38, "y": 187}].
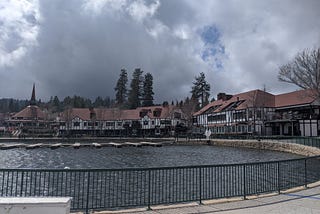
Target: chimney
[{"x": 223, "y": 96}]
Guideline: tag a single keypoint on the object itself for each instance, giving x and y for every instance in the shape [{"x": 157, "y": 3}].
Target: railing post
[
  {"x": 305, "y": 173},
  {"x": 200, "y": 186},
  {"x": 244, "y": 182},
  {"x": 88, "y": 192},
  {"x": 278, "y": 177},
  {"x": 149, "y": 189},
  {"x": 21, "y": 183}
]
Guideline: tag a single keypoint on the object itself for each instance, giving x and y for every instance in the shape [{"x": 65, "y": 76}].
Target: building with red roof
[
  {"x": 259, "y": 112},
  {"x": 142, "y": 121},
  {"x": 30, "y": 121}
]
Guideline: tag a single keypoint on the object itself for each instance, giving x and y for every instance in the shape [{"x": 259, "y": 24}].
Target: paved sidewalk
[{"x": 300, "y": 202}]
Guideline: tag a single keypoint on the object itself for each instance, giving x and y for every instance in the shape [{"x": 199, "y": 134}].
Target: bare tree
[{"x": 303, "y": 71}]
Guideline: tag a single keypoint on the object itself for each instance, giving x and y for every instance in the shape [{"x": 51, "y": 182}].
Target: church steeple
[{"x": 33, "y": 96}]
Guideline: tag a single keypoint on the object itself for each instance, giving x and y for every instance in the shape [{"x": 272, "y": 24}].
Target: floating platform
[
  {"x": 55, "y": 146},
  {"x": 117, "y": 145},
  {"x": 151, "y": 144},
  {"x": 97, "y": 145},
  {"x": 132, "y": 144},
  {"x": 34, "y": 146},
  {"x": 11, "y": 146},
  {"x": 76, "y": 145}
]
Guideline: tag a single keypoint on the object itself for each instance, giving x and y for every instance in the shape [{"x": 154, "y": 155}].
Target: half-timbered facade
[
  {"x": 143, "y": 121},
  {"x": 259, "y": 112}
]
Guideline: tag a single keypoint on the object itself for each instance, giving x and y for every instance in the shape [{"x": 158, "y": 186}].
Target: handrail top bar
[{"x": 155, "y": 168}]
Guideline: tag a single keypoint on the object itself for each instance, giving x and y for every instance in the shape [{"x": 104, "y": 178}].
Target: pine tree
[
  {"x": 201, "y": 90},
  {"x": 135, "y": 93},
  {"x": 98, "y": 102},
  {"x": 121, "y": 88},
  {"x": 56, "y": 104},
  {"x": 148, "y": 90}
]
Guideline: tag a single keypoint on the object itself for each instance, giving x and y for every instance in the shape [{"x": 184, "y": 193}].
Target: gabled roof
[
  {"x": 165, "y": 112},
  {"x": 258, "y": 98},
  {"x": 209, "y": 106},
  {"x": 301, "y": 97},
  {"x": 240, "y": 101},
  {"x": 30, "y": 112}
]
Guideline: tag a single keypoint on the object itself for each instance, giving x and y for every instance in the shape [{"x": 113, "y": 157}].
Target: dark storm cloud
[{"x": 78, "y": 47}]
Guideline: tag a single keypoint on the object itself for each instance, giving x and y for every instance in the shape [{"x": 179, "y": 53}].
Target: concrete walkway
[{"x": 298, "y": 202}]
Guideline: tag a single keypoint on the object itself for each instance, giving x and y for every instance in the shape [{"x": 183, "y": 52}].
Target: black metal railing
[{"x": 99, "y": 189}]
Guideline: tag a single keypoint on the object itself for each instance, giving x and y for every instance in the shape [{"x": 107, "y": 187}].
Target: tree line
[{"x": 140, "y": 92}]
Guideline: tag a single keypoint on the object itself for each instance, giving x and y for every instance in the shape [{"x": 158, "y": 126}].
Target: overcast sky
[{"x": 69, "y": 47}]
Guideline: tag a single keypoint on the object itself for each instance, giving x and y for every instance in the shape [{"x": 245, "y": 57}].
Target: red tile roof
[
  {"x": 258, "y": 98},
  {"x": 245, "y": 100},
  {"x": 117, "y": 114},
  {"x": 30, "y": 112},
  {"x": 300, "y": 97}
]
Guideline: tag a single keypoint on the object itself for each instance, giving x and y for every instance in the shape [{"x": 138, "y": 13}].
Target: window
[
  {"x": 143, "y": 112},
  {"x": 62, "y": 124},
  {"x": 157, "y": 113},
  {"x": 194, "y": 120},
  {"x": 152, "y": 122},
  {"x": 165, "y": 122},
  {"x": 109, "y": 123},
  {"x": 177, "y": 115},
  {"x": 119, "y": 124},
  {"x": 239, "y": 115},
  {"x": 85, "y": 124},
  {"x": 76, "y": 124},
  {"x": 145, "y": 122},
  {"x": 219, "y": 117},
  {"x": 259, "y": 114}
]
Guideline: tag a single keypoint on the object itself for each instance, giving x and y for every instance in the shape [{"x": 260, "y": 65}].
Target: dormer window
[
  {"x": 143, "y": 112},
  {"x": 157, "y": 112}
]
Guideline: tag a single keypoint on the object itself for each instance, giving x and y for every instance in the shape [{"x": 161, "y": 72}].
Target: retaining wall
[{"x": 263, "y": 144}]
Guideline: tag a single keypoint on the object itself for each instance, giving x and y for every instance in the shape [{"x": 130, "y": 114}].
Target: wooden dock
[
  {"x": 151, "y": 144},
  {"x": 132, "y": 144},
  {"x": 11, "y": 146},
  {"x": 34, "y": 146},
  {"x": 117, "y": 145},
  {"x": 55, "y": 146},
  {"x": 97, "y": 145},
  {"x": 77, "y": 145}
]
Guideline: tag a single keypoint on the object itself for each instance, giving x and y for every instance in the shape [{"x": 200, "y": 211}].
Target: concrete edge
[{"x": 272, "y": 145}]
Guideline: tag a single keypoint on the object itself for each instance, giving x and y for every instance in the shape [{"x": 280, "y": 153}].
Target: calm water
[{"x": 126, "y": 157}]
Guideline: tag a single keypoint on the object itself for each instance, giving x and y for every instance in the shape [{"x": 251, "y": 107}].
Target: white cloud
[
  {"x": 140, "y": 11},
  {"x": 89, "y": 41},
  {"x": 98, "y": 6},
  {"x": 19, "y": 29}
]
